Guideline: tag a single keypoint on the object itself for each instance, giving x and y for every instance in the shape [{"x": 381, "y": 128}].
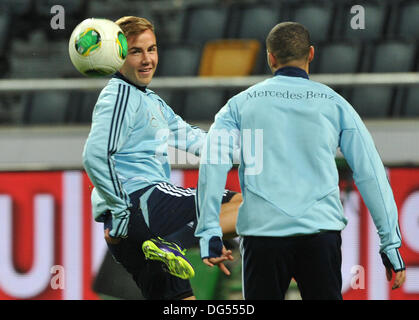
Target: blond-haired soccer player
[{"x": 147, "y": 220}]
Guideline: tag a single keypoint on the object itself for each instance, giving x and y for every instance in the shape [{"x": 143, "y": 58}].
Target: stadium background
[{"x": 45, "y": 109}]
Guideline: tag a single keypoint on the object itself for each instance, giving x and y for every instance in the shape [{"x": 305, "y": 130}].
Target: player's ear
[
  {"x": 311, "y": 54},
  {"x": 272, "y": 61}
]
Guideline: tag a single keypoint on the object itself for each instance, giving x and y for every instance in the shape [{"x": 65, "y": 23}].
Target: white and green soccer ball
[{"x": 97, "y": 47}]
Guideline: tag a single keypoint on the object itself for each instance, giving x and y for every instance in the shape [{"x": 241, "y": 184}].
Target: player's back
[{"x": 293, "y": 172}]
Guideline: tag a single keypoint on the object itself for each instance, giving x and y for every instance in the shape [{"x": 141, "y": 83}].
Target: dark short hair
[{"x": 288, "y": 41}]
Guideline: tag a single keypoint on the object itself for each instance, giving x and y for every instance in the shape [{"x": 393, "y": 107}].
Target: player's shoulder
[
  {"x": 118, "y": 95},
  {"x": 320, "y": 86},
  {"x": 116, "y": 85},
  {"x": 153, "y": 95},
  {"x": 154, "y": 98},
  {"x": 331, "y": 93},
  {"x": 244, "y": 95},
  {"x": 119, "y": 91}
]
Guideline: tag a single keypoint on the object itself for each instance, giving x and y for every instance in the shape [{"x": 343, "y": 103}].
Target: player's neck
[
  {"x": 303, "y": 66},
  {"x": 291, "y": 71},
  {"x": 119, "y": 75}
]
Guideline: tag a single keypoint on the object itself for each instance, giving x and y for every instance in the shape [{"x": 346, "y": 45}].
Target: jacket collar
[
  {"x": 120, "y": 76},
  {"x": 291, "y": 72}
]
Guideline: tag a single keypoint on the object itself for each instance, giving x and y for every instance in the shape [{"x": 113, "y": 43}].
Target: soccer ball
[{"x": 97, "y": 47}]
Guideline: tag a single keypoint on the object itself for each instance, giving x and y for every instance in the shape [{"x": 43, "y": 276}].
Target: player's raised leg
[
  {"x": 228, "y": 216},
  {"x": 171, "y": 255}
]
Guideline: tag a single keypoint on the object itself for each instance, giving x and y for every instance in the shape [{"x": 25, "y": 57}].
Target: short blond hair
[{"x": 131, "y": 25}]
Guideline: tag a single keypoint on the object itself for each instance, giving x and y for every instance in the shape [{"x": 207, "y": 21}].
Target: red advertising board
[
  {"x": 360, "y": 242},
  {"x": 50, "y": 247},
  {"x": 46, "y": 222}
]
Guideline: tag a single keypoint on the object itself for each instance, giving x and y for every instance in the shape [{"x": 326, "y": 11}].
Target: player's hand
[
  {"x": 109, "y": 239},
  {"x": 225, "y": 255},
  {"x": 393, "y": 261},
  {"x": 399, "y": 279}
]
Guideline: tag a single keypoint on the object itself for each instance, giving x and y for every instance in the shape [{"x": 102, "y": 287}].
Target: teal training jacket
[
  {"x": 289, "y": 129},
  {"x": 127, "y": 147}
]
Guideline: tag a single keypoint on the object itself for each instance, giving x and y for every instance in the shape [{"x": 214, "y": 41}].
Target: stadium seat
[
  {"x": 373, "y": 102},
  {"x": 375, "y": 21},
  {"x": 166, "y": 94},
  {"x": 408, "y": 21},
  {"x": 4, "y": 115},
  {"x": 338, "y": 57},
  {"x": 5, "y": 39},
  {"x": 28, "y": 59},
  {"x": 235, "y": 57},
  {"x": 179, "y": 59},
  {"x": 47, "y": 108},
  {"x": 203, "y": 104},
  {"x": 12, "y": 108},
  {"x": 22, "y": 13},
  {"x": 394, "y": 56},
  {"x": 80, "y": 106},
  {"x": 4, "y": 67},
  {"x": 87, "y": 101},
  {"x": 72, "y": 7},
  {"x": 344, "y": 92},
  {"x": 28, "y": 67},
  {"x": 112, "y": 9},
  {"x": 74, "y": 11},
  {"x": 170, "y": 25},
  {"x": 262, "y": 67},
  {"x": 74, "y": 108},
  {"x": 410, "y": 107},
  {"x": 317, "y": 17},
  {"x": 19, "y": 8},
  {"x": 204, "y": 23},
  {"x": 173, "y": 98},
  {"x": 220, "y": 58},
  {"x": 255, "y": 21}
]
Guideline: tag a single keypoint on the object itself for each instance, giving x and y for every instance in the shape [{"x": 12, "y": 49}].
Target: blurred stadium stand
[
  {"x": 330, "y": 55},
  {"x": 253, "y": 21},
  {"x": 410, "y": 104},
  {"x": 389, "y": 43},
  {"x": 219, "y": 58},
  {"x": 407, "y": 20},
  {"x": 179, "y": 59},
  {"x": 316, "y": 16},
  {"x": 204, "y": 23},
  {"x": 376, "y": 17},
  {"x": 50, "y": 126}
]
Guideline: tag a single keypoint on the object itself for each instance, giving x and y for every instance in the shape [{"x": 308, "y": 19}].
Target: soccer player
[
  {"x": 147, "y": 220},
  {"x": 291, "y": 216}
]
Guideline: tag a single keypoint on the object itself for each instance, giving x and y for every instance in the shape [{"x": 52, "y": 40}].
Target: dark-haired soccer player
[{"x": 291, "y": 216}]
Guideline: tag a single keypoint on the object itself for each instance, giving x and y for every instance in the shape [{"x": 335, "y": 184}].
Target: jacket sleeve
[
  {"x": 109, "y": 131},
  {"x": 370, "y": 177},
  {"x": 216, "y": 161}
]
